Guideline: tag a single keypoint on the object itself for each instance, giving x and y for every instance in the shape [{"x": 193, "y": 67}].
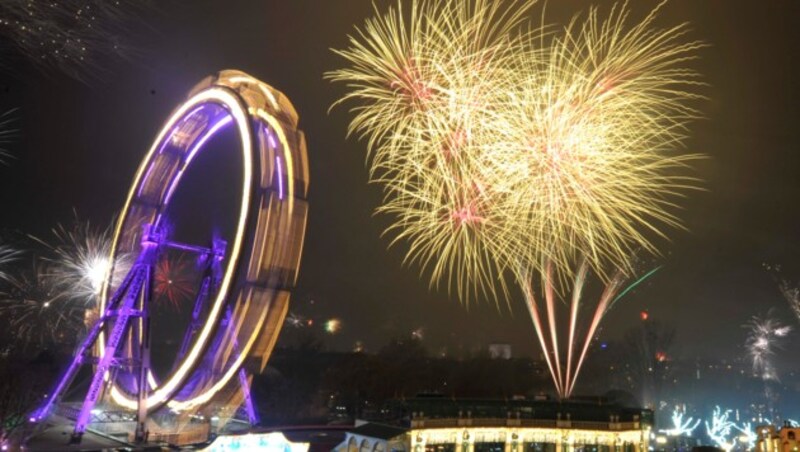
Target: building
[
  {"x": 786, "y": 439},
  {"x": 447, "y": 425},
  {"x": 500, "y": 351}
]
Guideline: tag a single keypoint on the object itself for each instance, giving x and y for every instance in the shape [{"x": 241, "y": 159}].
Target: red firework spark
[{"x": 173, "y": 281}]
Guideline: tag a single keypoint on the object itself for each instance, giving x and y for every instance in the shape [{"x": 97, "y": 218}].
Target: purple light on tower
[
  {"x": 221, "y": 122},
  {"x": 160, "y": 150},
  {"x": 280, "y": 176},
  {"x": 216, "y": 127},
  {"x": 193, "y": 112}
]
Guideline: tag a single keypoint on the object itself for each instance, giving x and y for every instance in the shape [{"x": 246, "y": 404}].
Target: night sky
[{"x": 82, "y": 141}]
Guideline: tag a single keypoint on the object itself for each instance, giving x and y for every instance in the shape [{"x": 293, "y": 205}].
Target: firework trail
[
  {"x": 71, "y": 36},
  {"x": 764, "y": 338},
  {"x": 7, "y": 133},
  {"x": 8, "y": 255},
  {"x": 565, "y": 359},
  {"x": 790, "y": 292},
  {"x": 34, "y": 311},
  {"x": 792, "y": 296},
  {"x": 496, "y": 148}
]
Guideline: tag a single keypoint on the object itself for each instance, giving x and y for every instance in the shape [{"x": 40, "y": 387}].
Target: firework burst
[
  {"x": 765, "y": 337},
  {"x": 80, "y": 262},
  {"x": 792, "y": 296},
  {"x": 721, "y": 429},
  {"x": 587, "y": 147},
  {"x": 425, "y": 83},
  {"x": 497, "y": 150},
  {"x": 511, "y": 156},
  {"x": 53, "y": 300},
  {"x": 297, "y": 321},
  {"x": 71, "y": 36},
  {"x": 36, "y": 314},
  {"x": 174, "y": 280}
]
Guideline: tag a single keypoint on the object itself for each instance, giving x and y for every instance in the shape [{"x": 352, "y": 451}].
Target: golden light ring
[{"x": 263, "y": 259}]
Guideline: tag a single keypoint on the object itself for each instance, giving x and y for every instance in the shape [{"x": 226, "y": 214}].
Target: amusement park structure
[{"x": 245, "y": 280}]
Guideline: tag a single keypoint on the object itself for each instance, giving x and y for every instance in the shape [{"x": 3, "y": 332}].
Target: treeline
[{"x": 305, "y": 384}]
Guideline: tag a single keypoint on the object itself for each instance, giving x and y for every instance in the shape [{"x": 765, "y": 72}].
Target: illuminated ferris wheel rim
[{"x": 222, "y": 92}]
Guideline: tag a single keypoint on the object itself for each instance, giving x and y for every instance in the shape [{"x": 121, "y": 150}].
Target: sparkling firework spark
[
  {"x": 792, "y": 296},
  {"x": 681, "y": 426},
  {"x": 296, "y": 321},
  {"x": 34, "y": 311},
  {"x": 418, "y": 334},
  {"x": 8, "y": 254},
  {"x": 790, "y": 291},
  {"x": 721, "y": 429},
  {"x": 748, "y": 435},
  {"x": 496, "y": 149},
  {"x": 68, "y": 35},
  {"x": 765, "y": 337}
]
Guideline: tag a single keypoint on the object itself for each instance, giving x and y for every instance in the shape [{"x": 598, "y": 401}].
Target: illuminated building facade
[
  {"x": 784, "y": 440},
  {"x": 507, "y": 426}
]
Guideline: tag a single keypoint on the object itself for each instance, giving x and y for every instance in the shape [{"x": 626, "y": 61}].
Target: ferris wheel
[{"x": 242, "y": 292}]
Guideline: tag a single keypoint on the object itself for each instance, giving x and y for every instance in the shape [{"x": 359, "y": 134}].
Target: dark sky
[{"x": 81, "y": 143}]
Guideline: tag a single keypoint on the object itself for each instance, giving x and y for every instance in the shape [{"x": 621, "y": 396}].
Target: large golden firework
[
  {"x": 425, "y": 83},
  {"x": 509, "y": 152},
  {"x": 589, "y": 143},
  {"x": 502, "y": 151}
]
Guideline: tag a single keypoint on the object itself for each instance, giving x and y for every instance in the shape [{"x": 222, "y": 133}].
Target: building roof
[
  {"x": 380, "y": 431},
  {"x": 56, "y": 438},
  {"x": 596, "y": 410}
]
